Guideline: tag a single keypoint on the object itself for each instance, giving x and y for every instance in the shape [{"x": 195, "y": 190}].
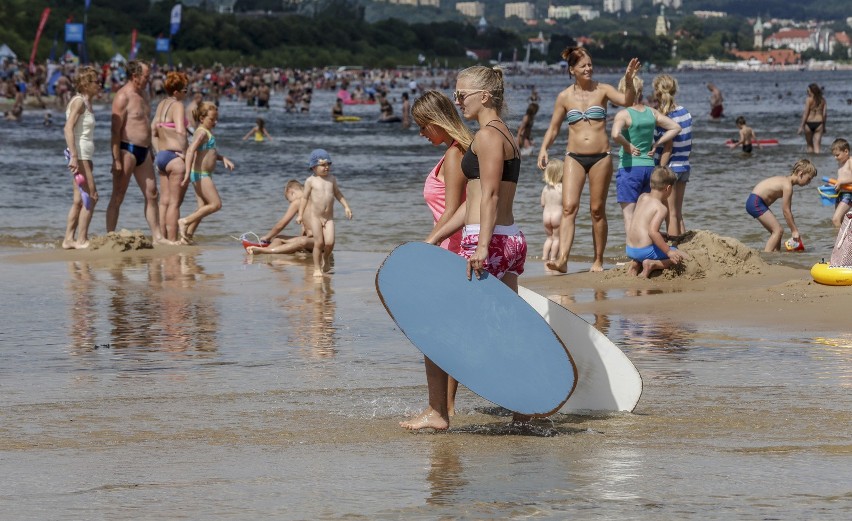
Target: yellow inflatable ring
[{"x": 831, "y": 276}]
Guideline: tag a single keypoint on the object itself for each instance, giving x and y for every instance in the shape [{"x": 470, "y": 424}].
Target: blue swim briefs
[
  {"x": 755, "y": 206},
  {"x": 652, "y": 252}
]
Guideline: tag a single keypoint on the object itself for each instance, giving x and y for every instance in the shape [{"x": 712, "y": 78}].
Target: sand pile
[
  {"x": 712, "y": 256},
  {"x": 125, "y": 240}
]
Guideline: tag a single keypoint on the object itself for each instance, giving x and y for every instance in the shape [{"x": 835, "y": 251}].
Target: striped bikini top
[{"x": 592, "y": 113}]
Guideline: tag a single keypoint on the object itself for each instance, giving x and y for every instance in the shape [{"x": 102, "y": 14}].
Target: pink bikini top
[
  {"x": 170, "y": 124},
  {"x": 434, "y": 192}
]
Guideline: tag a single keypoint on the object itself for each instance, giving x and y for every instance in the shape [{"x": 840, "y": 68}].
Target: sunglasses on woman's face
[{"x": 460, "y": 95}]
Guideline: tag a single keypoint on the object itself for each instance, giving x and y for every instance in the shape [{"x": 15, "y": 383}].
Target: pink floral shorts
[{"x": 507, "y": 250}]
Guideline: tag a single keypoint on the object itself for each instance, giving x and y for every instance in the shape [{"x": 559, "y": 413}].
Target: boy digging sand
[
  {"x": 646, "y": 245},
  {"x": 319, "y": 194},
  {"x": 768, "y": 191}
]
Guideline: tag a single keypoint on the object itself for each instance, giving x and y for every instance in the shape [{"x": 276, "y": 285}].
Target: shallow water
[{"x": 204, "y": 384}]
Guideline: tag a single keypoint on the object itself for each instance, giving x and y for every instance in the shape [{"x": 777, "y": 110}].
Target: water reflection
[
  {"x": 81, "y": 286},
  {"x": 601, "y": 321},
  {"x": 150, "y": 304},
  {"x": 308, "y": 305},
  {"x": 445, "y": 475}
]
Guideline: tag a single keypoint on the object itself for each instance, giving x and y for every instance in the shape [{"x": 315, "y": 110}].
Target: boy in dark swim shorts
[
  {"x": 768, "y": 191},
  {"x": 646, "y": 245}
]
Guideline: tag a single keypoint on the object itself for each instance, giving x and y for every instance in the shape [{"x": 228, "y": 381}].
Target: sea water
[{"x": 209, "y": 384}]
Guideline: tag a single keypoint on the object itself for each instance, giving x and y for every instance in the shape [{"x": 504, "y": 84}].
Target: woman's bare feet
[
  {"x": 182, "y": 236},
  {"x": 597, "y": 267},
  {"x": 428, "y": 419},
  {"x": 68, "y": 244},
  {"x": 82, "y": 245},
  {"x": 318, "y": 274},
  {"x": 555, "y": 265}
]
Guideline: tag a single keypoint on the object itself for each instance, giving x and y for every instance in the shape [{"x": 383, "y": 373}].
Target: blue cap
[{"x": 317, "y": 156}]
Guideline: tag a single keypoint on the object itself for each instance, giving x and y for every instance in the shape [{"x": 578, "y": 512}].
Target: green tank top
[{"x": 641, "y": 135}]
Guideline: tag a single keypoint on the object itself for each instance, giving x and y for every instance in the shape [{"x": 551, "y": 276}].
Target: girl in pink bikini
[{"x": 444, "y": 193}]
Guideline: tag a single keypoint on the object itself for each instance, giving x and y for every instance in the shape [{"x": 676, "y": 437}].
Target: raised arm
[{"x": 628, "y": 97}]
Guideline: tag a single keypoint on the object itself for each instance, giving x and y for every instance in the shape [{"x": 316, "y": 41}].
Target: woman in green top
[{"x": 633, "y": 129}]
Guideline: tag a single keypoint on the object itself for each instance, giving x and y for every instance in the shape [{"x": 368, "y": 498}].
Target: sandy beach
[{"x": 725, "y": 282}]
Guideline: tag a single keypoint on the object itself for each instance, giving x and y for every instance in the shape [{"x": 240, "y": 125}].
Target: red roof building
[
  {"x": 797, "y": 39},
  {"x": 774, "y": 57}
]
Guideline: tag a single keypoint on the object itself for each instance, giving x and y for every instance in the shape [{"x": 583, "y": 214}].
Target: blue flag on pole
[
  {"x": 88, "y": 3},
  {"x": 175, "y": 25}
]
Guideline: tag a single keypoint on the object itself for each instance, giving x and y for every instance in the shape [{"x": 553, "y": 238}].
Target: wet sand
[{"x": 188, "y": 382}]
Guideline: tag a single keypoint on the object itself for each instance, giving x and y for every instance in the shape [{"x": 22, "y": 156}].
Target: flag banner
[
  {"x": 176, "y": 13},
  {"x": 44, "y": 15}
]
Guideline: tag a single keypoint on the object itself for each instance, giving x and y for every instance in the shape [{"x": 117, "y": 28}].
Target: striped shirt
[{"x": 682, "y": 143}]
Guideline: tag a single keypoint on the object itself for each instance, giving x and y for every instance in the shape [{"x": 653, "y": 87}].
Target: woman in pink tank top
[{"x": 444, "y": 190}]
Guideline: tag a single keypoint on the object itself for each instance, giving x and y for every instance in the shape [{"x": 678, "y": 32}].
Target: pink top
[{"x": 434, "y": 192}]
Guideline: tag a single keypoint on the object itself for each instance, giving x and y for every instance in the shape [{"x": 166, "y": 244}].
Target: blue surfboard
[{"x": 479, "y": 331}]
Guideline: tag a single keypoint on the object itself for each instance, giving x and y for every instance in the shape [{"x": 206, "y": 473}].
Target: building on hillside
[
  {"x": 429, "y": 3},
  {"x": 758, "y": 34},
  {"x": 615, "y": 6},
  {"x": 797, "y": 39},
  {"x": 472, "y": 9},
  {"x": 709, "y": 14},
  {"x": 774, "y": 57},
  {"x": 523, "y": 10},
  {"x": 561, "y": 12},
  {"x": 219, "y": 6},
  {"x": 402, "y": 2},
  {"x": 539, "y": 43},
  {"x": 671, "y": 4},
  {"x": 662, "y": 28},
  {"x": 844, "y": 40}
]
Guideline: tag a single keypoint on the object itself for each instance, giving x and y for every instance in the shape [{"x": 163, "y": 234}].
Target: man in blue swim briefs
[
  {"x": 130, "y": 142},
  {"x": 646, "y": 246}
]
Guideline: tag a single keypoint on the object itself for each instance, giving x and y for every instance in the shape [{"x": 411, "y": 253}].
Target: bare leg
[
  {"x": 809, "y": 139},
  {"x": 69, "y": 242},
  {"x": 435, "y": 416},
  {"x": 452, "y": 388},
  {"x": 627, "y": 212},
  {"x": 328, "y": 236},
  {"x": 209, "y": 196},
  {"x": 817, "y": 138},
  {"x": 319, "y": 245},
  {"x": 674, "y": 222},
  {"x": 600, "y": 177},
  {"x": 147, "y": 182},
  {"x": 573, "y": 180},
  {"x": 292, "y": 245},
  {"x": 776, "y": 232},
  {"x": 650, "y": 265},
  {"x": 170, "y": 198},
  {"x": 839, "y": 213},
  {"x": 86, "y": 213},
  {"x": 635, "y": 267},
  {"x": 120, "y": 182}
]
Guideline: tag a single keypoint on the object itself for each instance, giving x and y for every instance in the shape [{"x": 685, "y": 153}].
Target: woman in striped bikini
[{"x": 583, "y": 104}]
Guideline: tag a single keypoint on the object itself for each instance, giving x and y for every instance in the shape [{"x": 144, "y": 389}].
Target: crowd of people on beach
[{"x": 471, "y": 189}]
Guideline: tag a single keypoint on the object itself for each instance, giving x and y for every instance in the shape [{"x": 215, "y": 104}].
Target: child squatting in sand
[
  {"x": 646, "y": 245},
  {"x": 768, "y": 191},
  {"x": 319, "y": 194}
]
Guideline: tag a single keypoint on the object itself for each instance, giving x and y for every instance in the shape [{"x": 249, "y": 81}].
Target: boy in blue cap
[{"x": 319, "y": 192}]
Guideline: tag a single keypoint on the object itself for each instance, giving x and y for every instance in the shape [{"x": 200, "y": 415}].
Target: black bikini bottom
[
  {"x": 813, "y": 125},
  {"x": 587, "y": 161}
]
